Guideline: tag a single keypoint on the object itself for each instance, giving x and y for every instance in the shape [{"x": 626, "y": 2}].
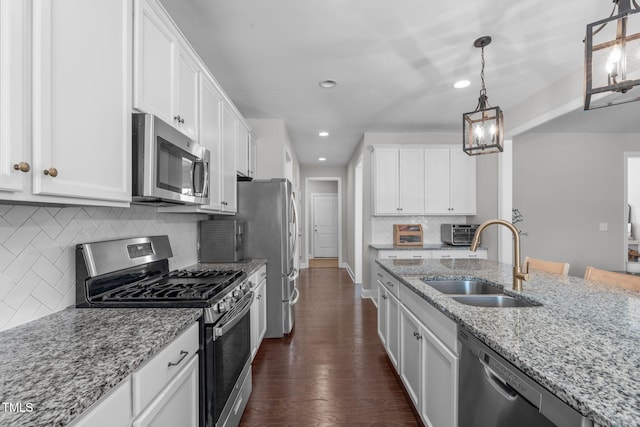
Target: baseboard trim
[
  {"x": 371, "y": 294},
  {"x": 353, "y": 276}
]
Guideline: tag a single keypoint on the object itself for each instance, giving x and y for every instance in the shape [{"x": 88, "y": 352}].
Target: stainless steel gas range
[{"x": 135, "y": 273}]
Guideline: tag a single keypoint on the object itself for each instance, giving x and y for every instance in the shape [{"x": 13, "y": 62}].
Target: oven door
[{"x": 227, "y": 355}]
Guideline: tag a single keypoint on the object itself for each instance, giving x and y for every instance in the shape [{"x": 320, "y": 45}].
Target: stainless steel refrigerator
[{"x": 271, "y": 232}]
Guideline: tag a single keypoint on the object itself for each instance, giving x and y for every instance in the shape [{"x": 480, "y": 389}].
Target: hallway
[{"x": 332, "y": 370}]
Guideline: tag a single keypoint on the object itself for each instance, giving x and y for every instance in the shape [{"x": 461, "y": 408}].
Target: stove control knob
[
  {"x": 238, "y": 293},
  {"x": 221, "y": 307},
  {"x": 230, "y": 301}
]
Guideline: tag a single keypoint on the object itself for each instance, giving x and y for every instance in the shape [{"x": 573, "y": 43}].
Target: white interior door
[{"x": 325, "y": 225}]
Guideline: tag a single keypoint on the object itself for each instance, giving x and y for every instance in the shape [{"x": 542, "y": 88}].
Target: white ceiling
[{"x": 395, "y": 61}]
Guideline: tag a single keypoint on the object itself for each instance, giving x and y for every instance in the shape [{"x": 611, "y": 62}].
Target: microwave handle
[{"x": 205, "y": 184}]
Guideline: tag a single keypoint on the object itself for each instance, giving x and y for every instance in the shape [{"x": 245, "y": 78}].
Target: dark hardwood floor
[{"x": 332, "y": 370}]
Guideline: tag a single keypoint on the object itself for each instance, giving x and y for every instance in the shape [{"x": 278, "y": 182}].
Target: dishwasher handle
[{"x": 498, "y": 383}]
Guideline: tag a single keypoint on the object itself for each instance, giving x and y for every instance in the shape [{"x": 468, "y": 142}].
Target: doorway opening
[
  {"x": 323, "y": 222},
  {"x": 631, "y": 220}
]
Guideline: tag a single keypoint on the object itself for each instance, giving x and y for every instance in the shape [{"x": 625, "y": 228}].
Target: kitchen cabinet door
[
  {"x": 393, "y": 330},
  {"x": 262, "y": 299},
  {"x": 211, "y": 138},
  {"x": 253, "y": 156},
  {"x": 13, "y": 88},
  {"x": 385, "y": 171},
  {"x": 439, "y": 406},
  {"x": 177, "y": 403},
  {"x": 462, "y": 183},
  {"x": 187, "y": 88},
  {"x": 81, "y": 120},
  {"x": 112, "y": 410},
  {"x": 437, "y": 185},
  {"x": 229, "y": 183},
  {"x": 411, "y": 181},
  {"x": 382, "y": 313},
  {"x": 411, "y": 355},
  {"x": 242, "y": 150},
  {"x": 155, "y": 46}
]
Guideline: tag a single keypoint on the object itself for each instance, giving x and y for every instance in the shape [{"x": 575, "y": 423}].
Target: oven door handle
[{"x": 227, "y": 324}]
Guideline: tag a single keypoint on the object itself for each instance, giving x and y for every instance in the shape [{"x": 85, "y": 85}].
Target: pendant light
[
  {"x": 483, "y": 128},
  {"x": 612, "y": 57}
]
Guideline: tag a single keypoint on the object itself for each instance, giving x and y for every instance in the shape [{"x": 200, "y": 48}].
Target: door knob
[
  {"x": 52, "y": 172},
  {"x": 22, "y": 167}
]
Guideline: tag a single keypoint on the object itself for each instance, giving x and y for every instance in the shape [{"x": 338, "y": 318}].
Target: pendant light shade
[
  {"x": 483, "y": 128},
  {"x": 612, "y": 57}
]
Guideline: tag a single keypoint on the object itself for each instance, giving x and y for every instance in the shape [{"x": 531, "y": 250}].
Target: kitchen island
[
  {"x": 581, "y": 343},
  {"x": 54, "y": 368}
]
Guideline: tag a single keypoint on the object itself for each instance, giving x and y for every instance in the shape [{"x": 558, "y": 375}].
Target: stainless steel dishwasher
[{"x": 493, "y": 392}]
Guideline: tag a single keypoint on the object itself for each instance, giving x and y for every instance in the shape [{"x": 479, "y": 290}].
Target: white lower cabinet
[
  {"x": 421, "y": 343},
  {"x": 163, "y": 392},
  {"x": 429, "y": 371},
  {"x": 258, "y": 282},
  {"x": 388, "y": 319},
  {"x": 112, "y": 410},
  {"x": 177, "y": 403}
]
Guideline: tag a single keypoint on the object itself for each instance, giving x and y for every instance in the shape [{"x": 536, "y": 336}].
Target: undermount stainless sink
[
  {"x": 492, "y": 301},
  {"x": 463, "y": 287}
]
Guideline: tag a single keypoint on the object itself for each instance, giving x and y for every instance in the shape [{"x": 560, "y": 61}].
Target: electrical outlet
[{"x": 604, "y": 226}]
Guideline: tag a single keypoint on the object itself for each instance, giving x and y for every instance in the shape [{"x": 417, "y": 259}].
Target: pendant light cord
[{"x": 483, "y": 91}]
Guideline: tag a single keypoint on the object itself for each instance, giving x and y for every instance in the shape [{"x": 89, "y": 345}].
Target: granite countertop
[
  {"x": 249, "y": 266},
  {"x": 61, "y": 364},
  {"x": 426, "y": 246},
  {"x": 582, "y": 344}
]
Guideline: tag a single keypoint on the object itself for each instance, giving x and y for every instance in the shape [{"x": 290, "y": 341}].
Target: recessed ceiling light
[
  {"x": 322, "y": 159},
  {"x": 323, "y": 133},
  {"x": 328, "y": 84},
  {"x": 461, "y": 84}
]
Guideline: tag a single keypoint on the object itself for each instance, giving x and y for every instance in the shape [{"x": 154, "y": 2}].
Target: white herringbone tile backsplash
[
  {"x": 382, "y": 226},
  {"x": 37, "y": 250}
]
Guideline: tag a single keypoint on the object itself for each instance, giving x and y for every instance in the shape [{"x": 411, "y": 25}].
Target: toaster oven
[{"x": 458, "y": 234}]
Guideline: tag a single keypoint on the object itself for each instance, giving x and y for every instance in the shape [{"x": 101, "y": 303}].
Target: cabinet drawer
[
  {"x": 262, "y": 274},
  {"x": 405, "y": 254},
  {"x": 386, "y": 280},
  {"x": 154, "y": 375},
  {"x": 445, "y": 329},
  {"x": 460, "y": 254}
]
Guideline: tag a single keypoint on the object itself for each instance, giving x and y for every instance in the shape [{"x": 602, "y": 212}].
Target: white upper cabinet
[
  {"x": 79, "y": 147},
  {"x": 153, "y": 69},
  {"x": 13, "y": 123},
  {"x": 398, "y": 180},
  {"x": 166, "y": 73},
  {"x": 450, "y": 182},
  {"x": 423, "y": 180},
  {"x": 186, "y": 112},
  {"x": 242, "y": 150},
  {"x": 211, "y": 138},
  {"x": 253, "y": 156},
  {"x": 385, "y": 177},
  {"x": 229, "y": 146}
]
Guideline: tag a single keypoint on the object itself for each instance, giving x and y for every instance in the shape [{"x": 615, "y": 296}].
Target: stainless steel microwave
[{"x": 168, "y": 167}]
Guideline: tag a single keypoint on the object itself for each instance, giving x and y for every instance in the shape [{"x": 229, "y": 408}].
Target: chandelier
[
  {"x": 612, "y": 57},
  {"x": 483, "y": 128}
]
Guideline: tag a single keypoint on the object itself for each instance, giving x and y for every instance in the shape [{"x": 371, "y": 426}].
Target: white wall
[
  {"x": 566, "y": 185},
  {"x": 37, "y": 250},
  {"x": 273, "y": 142}
]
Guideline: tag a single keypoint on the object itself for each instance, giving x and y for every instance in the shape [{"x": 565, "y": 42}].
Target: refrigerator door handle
[
  {"x": 296, "y": 297},
  {"x": 296, "y": 225},
  {"x": 293, "y": 275}
]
